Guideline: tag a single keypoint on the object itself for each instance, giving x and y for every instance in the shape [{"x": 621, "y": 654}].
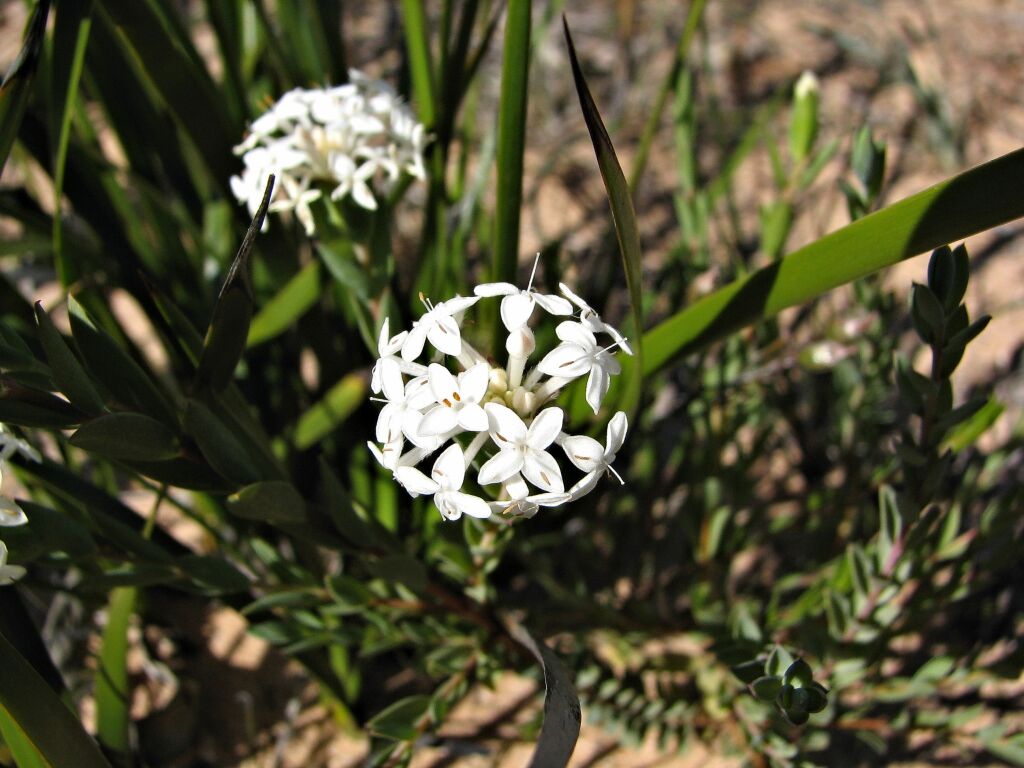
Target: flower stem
[{"x": 474, "y": 447}]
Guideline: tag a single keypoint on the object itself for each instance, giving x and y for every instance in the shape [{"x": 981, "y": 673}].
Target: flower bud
[
  {"x": 498, "y": 383},
  {"x": 520, "y": 342},
  {"x": 523, "y": 401}
]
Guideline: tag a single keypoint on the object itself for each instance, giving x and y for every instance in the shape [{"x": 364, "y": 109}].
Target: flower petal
[
  {"x": 500, "y": 466},
  {"x": 586, "y": 484},
  {"x": 473, "y": 383},
  {"x": 495, "y": 289},
  {"x": 413, "y": 346},
  {"x": 457, "y": 304},
  {"x": 597, "y": 386},
  {"x": 391, "y": 380},
  {"x": 541, "y": 469},
  {"x": 387, "y": 422},
  {"x": 516, "y": 309},
  {"x": 470, "y": 505},
  {"x": 584, "y": 452},
  {"x": 554, "y": 305},
  {"x": 549, "y": 499},
  {"x": 506, "y": 427},
  {"x": 577, "y": 333},
  {"x": 517, "y": 487},
  {"x": 437, "y": 421},
  {"x": 442, "y": 383},
  {"x": 383, "y": 338},
  {"x": 415, "y": 482},
  {"x": 472, "y": 418},
  {"x": 617, "y": 427},
  {"x": 545, "y": 428},
  {"x": 444, "y": 334},
  {"x": 10, "y": 513},
  {"x": 566, "y": 361},
  {"x": 450, "y": 468}
]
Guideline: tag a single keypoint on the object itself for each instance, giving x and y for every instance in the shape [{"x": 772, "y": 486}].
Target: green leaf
[
  {"x": 927, "y": 314},
  {"x": 113, "y": 696},
  {"x": 216, "y": 574},
  {"x": 398, "y": 722},
  {"x": 273, "y": 501},
  {"x": 967, "y": 433},
  {"x": 778, "y": 662},
  {"x": 511, "y": 140},
  {"x": 229, "y": 328},
  {"x": 290, "y": 303},
  {"x": 40, "y": 718},
  {"x": 219, "y": 446},
  {"x": 68, "y": 373},
  {"x": 767, "y": 687},
  {"x": 799, "y": 672},
  {"x": 29, "y": 407},
  {"x": 127, "y": 436},
  {"x": 942, "y": 276},
  {"x": 17, "y": 84},
  {"x": 54, "y": 531},
  {"x": 972, "y": 201},
  {"x": 749, "y": 671},
  {"x": 624, "y": 217},
  {"x": 115, "y": 368},
  {"x": 331, "y": 411},
  {"x": 561, "y": 728}
]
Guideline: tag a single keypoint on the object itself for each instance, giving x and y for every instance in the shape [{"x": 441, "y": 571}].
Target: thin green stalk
[{"x": 668, "y": 85}]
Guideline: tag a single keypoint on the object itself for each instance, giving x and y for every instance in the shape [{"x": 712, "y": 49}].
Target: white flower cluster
[
  {"x": 10, "y": 513},
  {"x": 342, "y": 138},
  {"x": 505, "y": 412}
]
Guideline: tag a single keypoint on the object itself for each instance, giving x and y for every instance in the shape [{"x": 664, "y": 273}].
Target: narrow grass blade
[
  {"x": 511, "y": 140},
  {"x": 169, "y": 58},
  {"x": 623, "y": 215},
  {"x": 17, "y": 84},
  {"x": 328, "y": 414},
  {"x": 112, "y": 693},
  {"x": 291, "y": 302},
  {"x": 668, "y": 85},
  {"x": 40, "y": 717},
  {"x": 70, "y": 37},
  {"x": 421, "y": 67},
  {"x": 970, "y": 202}
]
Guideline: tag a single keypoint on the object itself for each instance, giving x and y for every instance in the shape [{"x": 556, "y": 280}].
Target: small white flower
[
  {"x": 524, "y": 504},
  {"x": 522, "y": 448},
  {"x": 11, "y": 573},
  {"x": 458, "y": 400},
  {"x": 518, "y": 304},
  {"x": 445, "y": 483},
  {"x": 400, "y": 414},
  {"x": 579, "y": 354},
  {"x": 588, "y": 455},
  {"x": 439, "y": 327},
  {"x": 590, "y": 319}
]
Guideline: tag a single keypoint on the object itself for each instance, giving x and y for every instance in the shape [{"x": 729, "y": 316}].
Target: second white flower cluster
[
  {"x": 501, "y": 418},
  {"x": 350, "y": 138}
]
